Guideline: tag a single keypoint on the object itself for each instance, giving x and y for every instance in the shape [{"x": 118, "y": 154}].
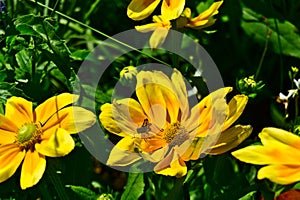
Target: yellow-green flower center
[
  {"x": 175, "y": 134},
  {"x": 28, "y": 135}
]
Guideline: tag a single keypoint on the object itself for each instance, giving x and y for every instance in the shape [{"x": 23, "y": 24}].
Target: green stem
[
  {"x": 269, "y": 32},
  {"x": 101, "y": 33},
  {"x": 296, "y": 107},
  {"x": 280, "y": 54},
  {"x": 56, "y": 182}
]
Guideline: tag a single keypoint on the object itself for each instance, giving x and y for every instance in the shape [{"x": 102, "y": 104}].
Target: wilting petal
[
  {"x": 19, "y": 110},
  {"x": 236, "y": 107},
  {"x": 140, "y": 9},
  {"x": 49, "y": 108},
  {"x": 172, "y": 9},
  {"x": 123, "y": 153},
  {"x": 7, "y": 130},
  {"x": 59, "y": 144},
  {"x": 33, "y": 168},
  {"x": 10, "y": 159},
  {"x": 171, "y": 165},
  {"x": 158, "y": 37},
  {"x": 281, "y": 174},
  {"x": 230, "y": 139}
]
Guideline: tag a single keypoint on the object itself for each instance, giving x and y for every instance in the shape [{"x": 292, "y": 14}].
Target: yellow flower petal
[
  {"x": 230, "y": 139},
  {"x": 172, "y": 9},
  {"x": 148, "y": 27},
  {"x": 140, "y": 9},
  {"x": 158, "y": 37},
  {"x": 10, "y": 159},
  {"x": 19, "y": 110},
  {"x": 128, "y": 114},
  {"x": 203, "y": 20},
  {"x": 33, "y": 168},
  {"x": 7, "y": 131},
  {"x": 171, "y": 165},
  {"x": 73, "y": 119},
  {"x": 281, "y": 174},
  {"x": 181, "y": 91},
  {"x": 236, "y": 107},
  {"x": 269, "y": 136},
  {"x": 194, "y": 149},
  {"x": 48, "y": 108},
  {"x": 59, "y": 144},
  {"x": 123, "y": 153}
]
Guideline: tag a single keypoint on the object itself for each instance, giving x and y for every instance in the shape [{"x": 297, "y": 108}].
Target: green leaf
[
  {"x": 8, "y": 90},
  {"x": 134, "y": 187},
  {"x": 256, "y": 27},
  {"x": 83, "y": 192},
  {"x": 24, "y": 60},
  {"x": 249, "y": 196}
]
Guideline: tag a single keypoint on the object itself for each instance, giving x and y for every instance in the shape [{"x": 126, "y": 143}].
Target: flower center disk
[
  {"x": 175, "y": 134},
  {"x": 28, "y": 135}
]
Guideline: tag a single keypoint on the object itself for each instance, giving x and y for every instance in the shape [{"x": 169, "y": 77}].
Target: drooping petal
[
  {"x": 7, "y": 130},
  {"x": 19, "y": 110},
  {"x": 140, "y": 9},
  {"x": 33, "y": 168},
  {"x": 123, "y": 153},
  {"x": 158, "y": 37},
  {"x": 236, "y": 107},
  {"x": 148, "y": 27},
  {"x": 230, "y": 139},
  {"x": 204, "y": 16},
  {"x": 10, "y": 159},
  {"x": 171, "y": 165},
  {"x": 172, "y": 9},
  {"x": 281, "y": 174},
  {"x": 107, "y": 118},
  {"x": 48, "y": 108},
  {"x": 59, "y": 144}
]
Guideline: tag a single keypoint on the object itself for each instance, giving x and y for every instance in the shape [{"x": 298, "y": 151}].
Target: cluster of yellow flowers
[{"x": 172, "y": 14}]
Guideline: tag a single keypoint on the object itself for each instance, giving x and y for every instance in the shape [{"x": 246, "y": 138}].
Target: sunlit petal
[
  {"x": 281, "y": 174},
  {"x": 140, "y": 9},
  {"x": 10, "y": 159},
  {"x": 123, "y": 153},
  {"x": 7, "y": 130},
  {"x": 19, "y": 110},
  {"x": 33, "y": 169},
  {"x": 49, "y": 108},
  {"x": 172, "y": 9},
  {"x": 59, "y": 144}
]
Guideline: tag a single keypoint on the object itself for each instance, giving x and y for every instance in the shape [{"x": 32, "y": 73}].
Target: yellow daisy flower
[
  {"x": 280, "y": 151},
  {"x": 140, "y": 9},
  {"x": 162, "y": 128},
  {"x": 162, "y": 23},
  {"x": 29, "y": 136}
]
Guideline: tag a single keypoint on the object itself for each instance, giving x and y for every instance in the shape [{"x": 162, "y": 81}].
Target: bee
[{"x": 145, "y": 128}]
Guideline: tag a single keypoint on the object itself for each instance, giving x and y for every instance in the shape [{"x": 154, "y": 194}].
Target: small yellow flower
[
  {"x": 29, "y": 136},
  {"x": 140, "y": 9},
  {"x": 280, "y": 151},
  {"x": 164, "y": 130},
  {"x": 162, "y": 23}
]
